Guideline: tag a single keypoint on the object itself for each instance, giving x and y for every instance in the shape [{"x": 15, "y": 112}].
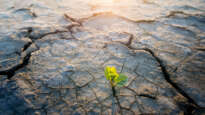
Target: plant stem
[{"x": 113, "y": 91}]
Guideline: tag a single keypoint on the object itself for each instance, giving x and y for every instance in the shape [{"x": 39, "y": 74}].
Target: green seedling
[{"x": 116, "y": 80}]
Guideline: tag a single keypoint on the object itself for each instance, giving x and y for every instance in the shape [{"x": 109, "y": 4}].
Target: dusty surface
[{"x": 53, "y": 54}]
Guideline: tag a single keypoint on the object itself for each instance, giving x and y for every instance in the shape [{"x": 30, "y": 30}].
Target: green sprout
[{"x": 116, "y": 80}]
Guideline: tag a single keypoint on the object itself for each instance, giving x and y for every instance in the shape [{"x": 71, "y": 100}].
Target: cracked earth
[{"x": 53, "y": 54}]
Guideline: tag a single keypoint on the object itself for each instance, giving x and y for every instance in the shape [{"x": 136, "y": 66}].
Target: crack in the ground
[
  {"x": 72, "y": 19},
  {"x": 147, "y": 95},
  {"x": 142, "y": 94},
  {"x": 174, "y": 13},
  {"x": 200, "y": 48},
  {"x": 117, "y": 99},
  {"x": 25, "y": 57},
  {"x": 81, "y": 20},
  {"x": 28, "y": 10},
  {"x": 112, "y": 14},
  {"x": 192, "y": 103},
  {"x": 11, "y": 71},
  {"x": 70, "y": 29},
  {"x": 130, "y": 39}
]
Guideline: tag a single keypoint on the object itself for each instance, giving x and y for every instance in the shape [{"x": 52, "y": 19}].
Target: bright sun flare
[{"x": 103, "y": 1}]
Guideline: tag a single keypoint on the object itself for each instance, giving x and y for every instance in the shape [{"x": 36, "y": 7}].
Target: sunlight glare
[{"x": 105, "y": 2}]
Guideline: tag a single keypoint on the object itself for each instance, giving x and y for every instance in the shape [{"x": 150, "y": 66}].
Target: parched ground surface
[{"x": 53, "y": 54}]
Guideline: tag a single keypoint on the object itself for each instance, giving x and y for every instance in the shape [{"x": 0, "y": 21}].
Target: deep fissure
[
  {"x": 25, "y": 60},
  {"x": 192, "y": 105}
]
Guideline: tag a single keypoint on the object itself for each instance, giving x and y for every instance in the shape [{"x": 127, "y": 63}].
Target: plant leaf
[
  {"x": 111, "y": 73},
  {"x": 107, "y": 69},
  {"x": 121, "y": 80}
]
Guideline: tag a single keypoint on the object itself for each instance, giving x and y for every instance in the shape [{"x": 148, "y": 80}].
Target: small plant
[{"x": 116, "y": 80}]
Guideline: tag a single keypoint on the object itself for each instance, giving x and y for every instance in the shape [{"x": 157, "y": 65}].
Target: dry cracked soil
[{"x": 53, "y": 54}]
